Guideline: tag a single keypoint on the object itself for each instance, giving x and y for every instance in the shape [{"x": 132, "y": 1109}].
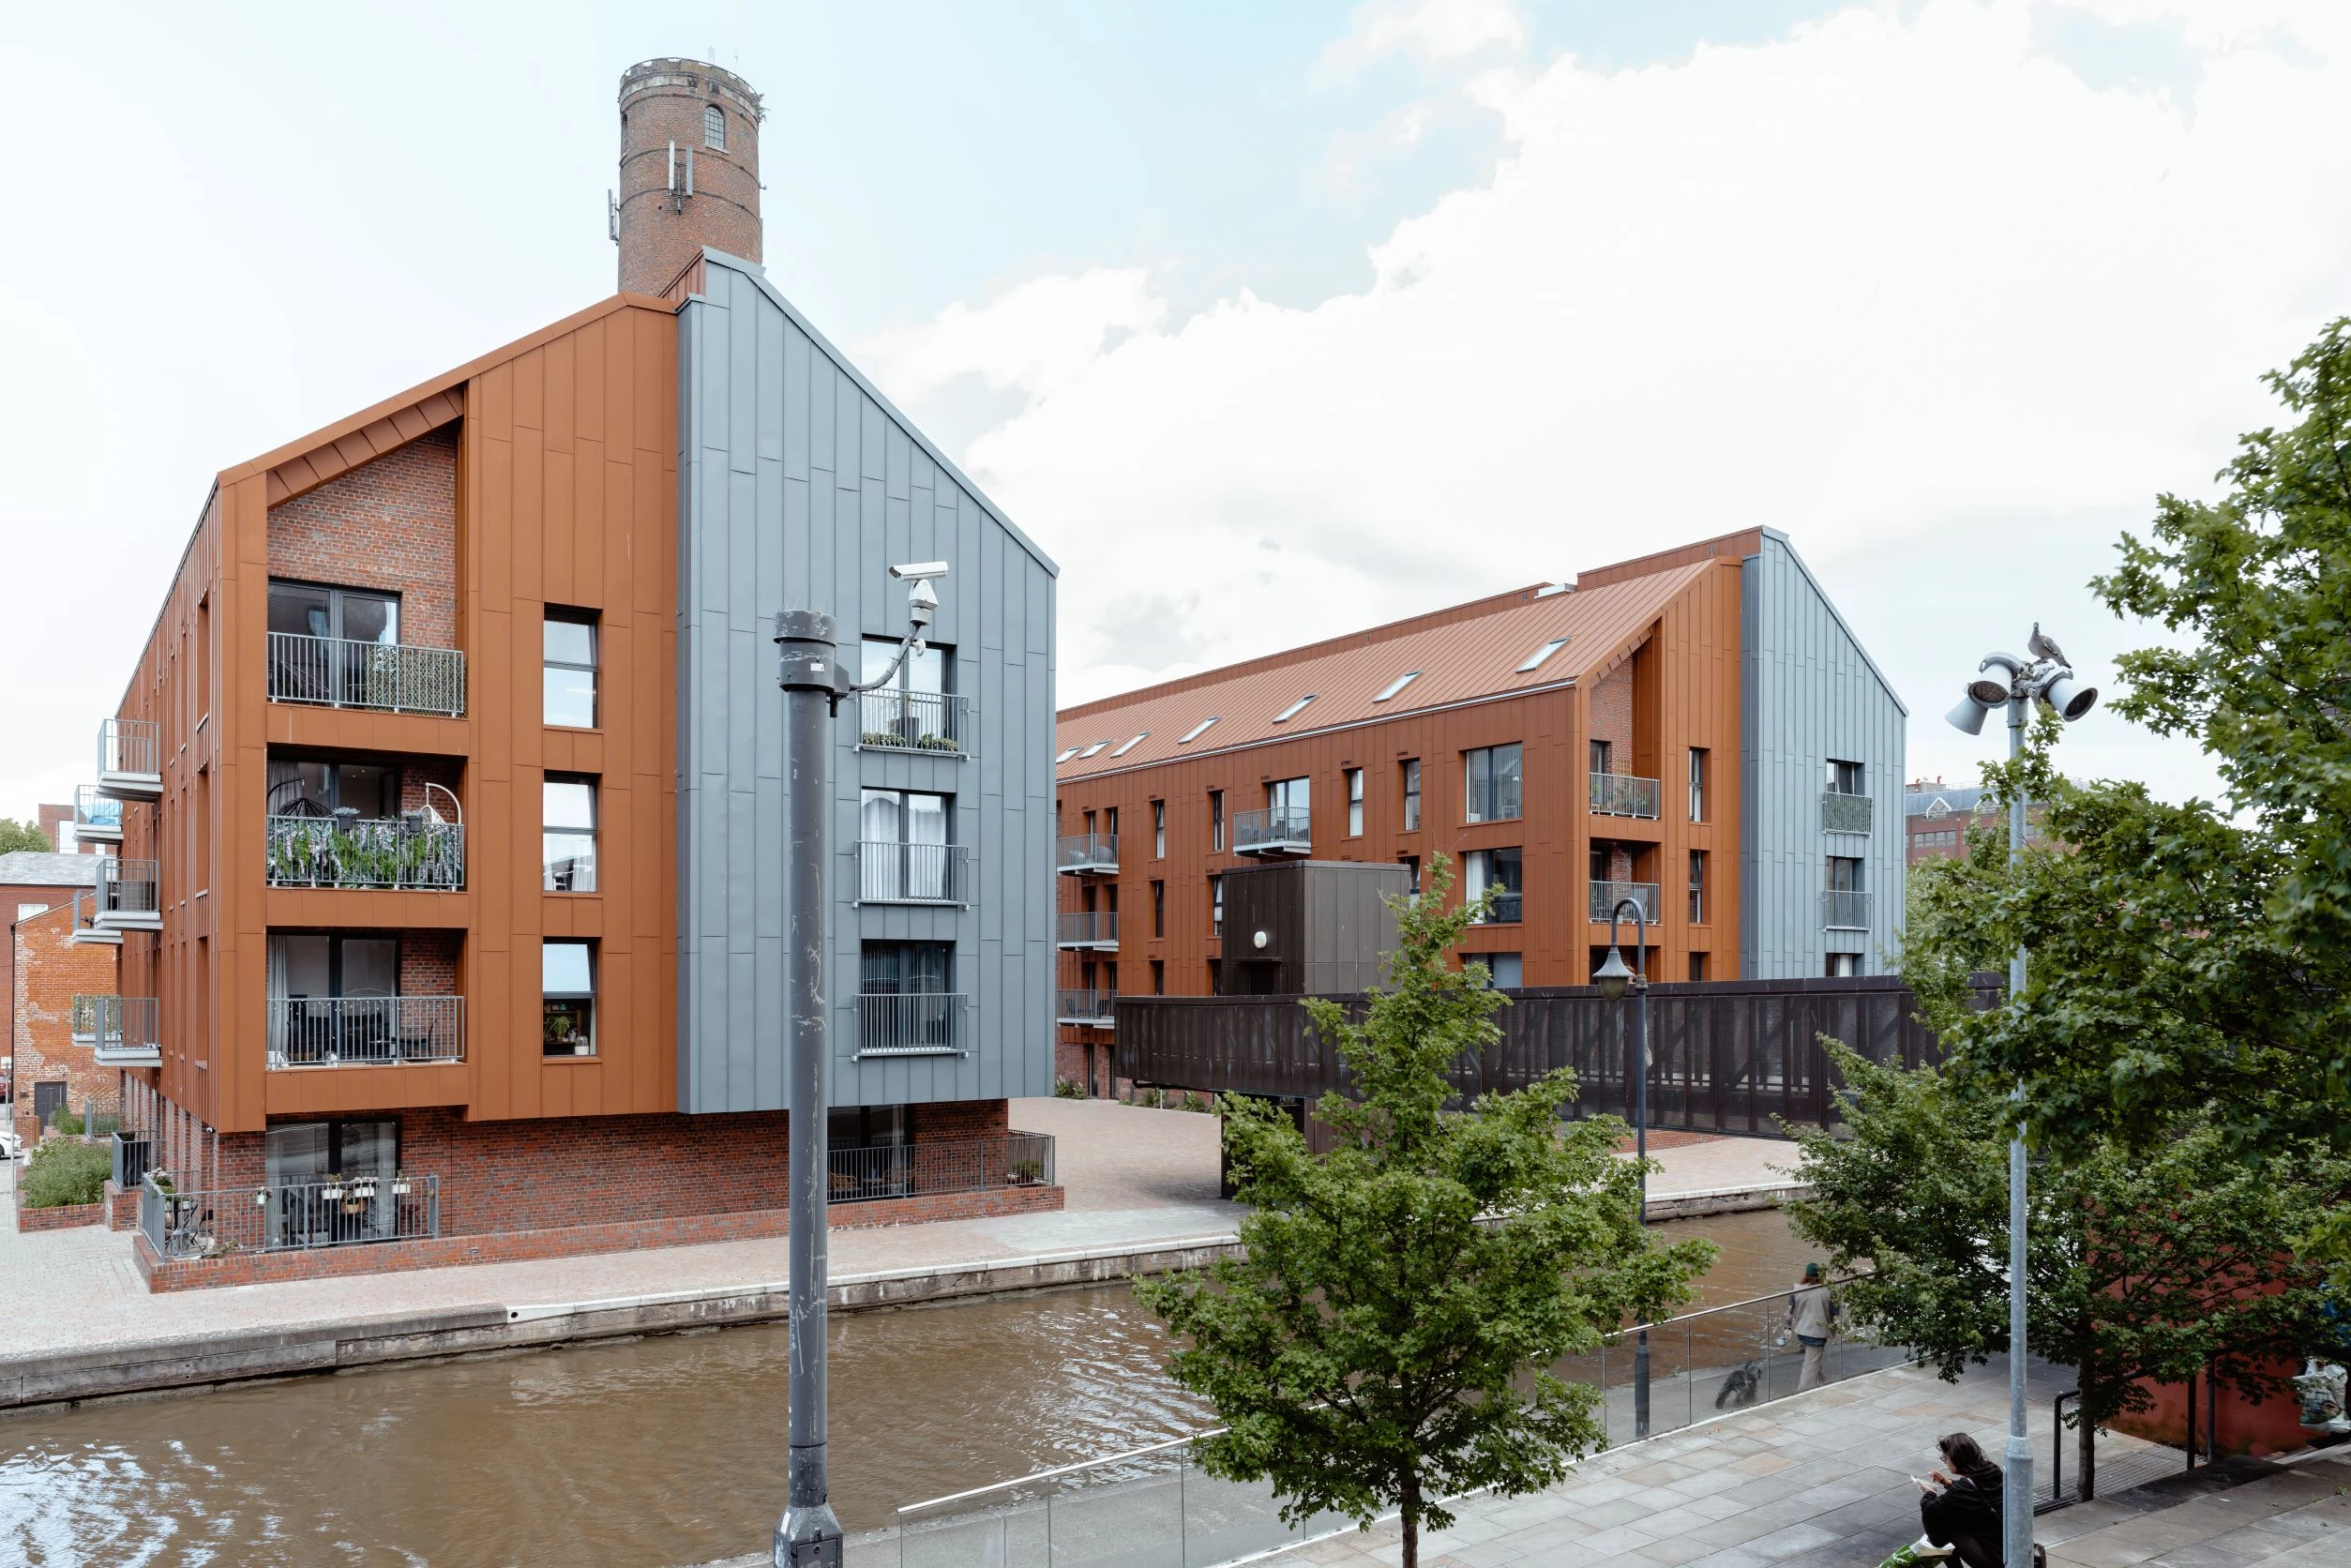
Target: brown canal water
[{"x": 628, "y": 1454}]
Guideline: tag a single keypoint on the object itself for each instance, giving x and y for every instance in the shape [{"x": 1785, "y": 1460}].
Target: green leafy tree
[
  {"x": 1387, "y": 1339},
  {"x": 23, "y": 835},
  {"x": 2151, "y": 1264}
]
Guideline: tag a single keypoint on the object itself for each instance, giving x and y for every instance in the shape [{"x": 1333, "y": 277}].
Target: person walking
[{"x": 1812, "y": 1312}]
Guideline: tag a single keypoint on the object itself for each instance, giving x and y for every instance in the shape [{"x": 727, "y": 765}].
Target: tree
[
  {"x": 2152, "y": 1265},
  {"x": 1388, "y": 1337},
  {"x": 17, "y": 836}
]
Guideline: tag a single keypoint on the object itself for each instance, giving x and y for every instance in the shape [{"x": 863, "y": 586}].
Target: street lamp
[
  {"x": 1614, "y": 980},
  {"x": 2045, "y": 678},
  {"x": 808, "y": 667}
]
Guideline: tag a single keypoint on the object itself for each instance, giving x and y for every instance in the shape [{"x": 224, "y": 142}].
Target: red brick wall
[
  {"x": 417, "y": 771},
  {"x": 64, "y": 1217},
  {"x": 47, "y": 971},
  {"x": 387, "y": 524},
  {"x": 1612, "y": 715},
  {"x": 959, "y": 1119},
  {"x": 428, "y": 962}
]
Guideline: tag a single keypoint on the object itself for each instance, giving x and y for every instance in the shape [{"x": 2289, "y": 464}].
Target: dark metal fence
[
  {"x": 1729, "y": 1057},
  {"x": 923, "y": 1169},
  {"x": 342, "y": 674},
  {"x": 289, "y": 1217}
]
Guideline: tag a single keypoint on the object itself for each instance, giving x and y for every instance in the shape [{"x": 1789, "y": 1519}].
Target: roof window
[
  {"x": 1398, "y": 685},
  {"x": 1295, "y": 708},
  {"x": 1197, "y": 730},
  {"x": 1065, "y": 756},
  {"x": 1534, "y": 660},
  {"x": 1131, "y": 745},
  {"x": 1091, "y": 750}
]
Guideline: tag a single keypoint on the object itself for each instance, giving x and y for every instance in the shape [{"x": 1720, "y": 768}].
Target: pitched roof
[
  {"x": 40, "y": 868},
  {"x": 1461, "y": 653}
]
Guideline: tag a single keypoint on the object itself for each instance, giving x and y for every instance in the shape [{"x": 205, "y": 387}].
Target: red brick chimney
[{"x": 689, "y": 170}]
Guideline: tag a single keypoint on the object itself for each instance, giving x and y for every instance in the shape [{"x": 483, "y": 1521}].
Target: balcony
[
  {"x": 910, "y": 1023},
  {"x": 415, "y": 849},
  {"x": 951, "y": 1165},
  {"x": 1276, "y": 830},
  {"x": 120, "y": 1031},
  {"x": 293, "y": 1216},
  {"x": 130, "y": 759},
  {"x": 1844, "y": 813},
  {"x": 127, "y": 897},
  {"x": 892, "y": 873},
  {"x": 97, "y": 819},
  {"x": 1844, "y": 909},
  {"x": 87, "y": 930},
  {"x": 364, "y": 1030},
  {"x": 936, "y": 723},
  {"x": 386, "y": 678},
  {"x": 1087, "y": 930},
  {"x": 1088, "y": 854},
  {"x": 1605, "y": 895},
  {"x": 1088, "y": 1009},
  {"x": 1621, "y": 794}
]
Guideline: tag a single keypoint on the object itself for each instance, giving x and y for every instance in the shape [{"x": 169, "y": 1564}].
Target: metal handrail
[
  {"x": 1087, "y": 851},
  {"x": 1623, "y": 794},
  {"x": 1094, "y": 1005},
  {"x": 288, "y": 1217},
  {"x": 108, "y": 1020},
  {"x": 94, "y": 810},
  {"x": 364, "y": 1030},
  {"x": 910, "y": 1023},
  {"x": 411, "y": 851},
  {"x": 1274, "y": 825},
  {"x": 344, "y": 673},
  {"x": 1605, "y": 895},
  {"x": 936, "y": 722},
  {"x": 889, "y": 872},
  {"x": 1845, "y": 909},
  {"x": 130, "y": 745},
  {"x": 127, "y": 886},
  {"x": 923, "y": 1170},
  {"x": 1087, "y": 928}
]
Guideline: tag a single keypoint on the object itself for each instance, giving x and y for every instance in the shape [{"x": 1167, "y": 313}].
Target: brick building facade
[{"x": 48, "y": 970}]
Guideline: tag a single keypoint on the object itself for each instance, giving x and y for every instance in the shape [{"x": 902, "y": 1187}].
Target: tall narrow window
[
  {"x": 1159, "y": 977},
  {"x": 1698, "y": 784},
  {"x": 715, "y": 127},
  {"x": 1496, "y": 786},
  {"x": 1844, "y": 778},
  {"x": 1158, "y": 830},
  {"x": 1411, "y": 864},
  {"x": 1697, "y": 887},
  {"x": 902, "y": 851},
  {"x": 1499, "y": 869},
  {"x": 1158, "y": 909},
  {"x": 1216, "y": 906},
  {"x": 568, "y": 833},
  {"x": 568, "y": 991},
  {"x": 1601, "y": 754},
  {"x": 1412, "y": 796},
  {"x": 1354, "y": 803},
  {"x": 1216, "y": 820},
  {"x": 1110, "y": 820},
  {"x": 1698, "y": 968},
  {"x": 569, "y": 692}
]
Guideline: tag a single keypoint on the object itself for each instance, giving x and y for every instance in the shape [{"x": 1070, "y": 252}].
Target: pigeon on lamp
[{"x": 2042, "y": 647}]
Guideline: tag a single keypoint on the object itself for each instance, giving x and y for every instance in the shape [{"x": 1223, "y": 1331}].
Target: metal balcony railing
[
  {"x": 1605, "y": 895},
  {"x": 1276, "y": 830},
  {"x": 1093, "y": 1008},
  {"x": 1508, "y": 908},
  {"x": 1088, "y": 854},
  {"x": 87, "y": 930},
  {"x": 939, "y": 722},
  {"x": 1844, "y": 813},
  {"x": 392, "y": 677},
  {"x": 364, "y": 1030},
  {"x": 1097, "y": 929},
  {"x": 956, "y": 1165},
  {"x": 410, "y": 851},
  {"x": 128, "y": 893},
  {"x": 910, "y": 1023},
  {"x": 97, "y": 819},
  {"x": 131, "y": 756},
  {"x": 120, "y": 1029},
  {"x": 1844, "y": 909},
  {"x": 1622, "y": 794},
  {"x": 339, "y": 1211},
  {"x": 894, "y": 873}
]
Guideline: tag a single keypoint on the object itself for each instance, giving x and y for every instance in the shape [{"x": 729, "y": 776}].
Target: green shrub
[
  {"x": 68, "y": 1120},
  {"x": 1063, "y": 1088},
  {"x": 1199, "y": 1102},
  {"x": 66, "y": 1171}
]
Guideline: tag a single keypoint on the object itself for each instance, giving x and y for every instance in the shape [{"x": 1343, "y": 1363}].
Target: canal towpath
[{"x": 1140, "y": 1186}]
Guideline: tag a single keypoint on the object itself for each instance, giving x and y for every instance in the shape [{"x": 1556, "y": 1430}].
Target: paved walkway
[{"x": 1134, "y": 1180}]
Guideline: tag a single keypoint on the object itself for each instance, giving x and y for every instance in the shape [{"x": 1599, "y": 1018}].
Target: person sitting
[{"x": 1961, "y": 1509}]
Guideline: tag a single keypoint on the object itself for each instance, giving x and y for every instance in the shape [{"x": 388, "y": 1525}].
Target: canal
[{"x": 624, "y": 1455}]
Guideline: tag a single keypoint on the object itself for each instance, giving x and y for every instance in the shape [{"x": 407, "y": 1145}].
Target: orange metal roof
[{"x": 1462, "y": 653}]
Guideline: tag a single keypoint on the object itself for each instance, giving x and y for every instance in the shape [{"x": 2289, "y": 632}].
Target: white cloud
[
  {"x": 1895, "y": 277},
  {"x": 1436, "y": 30}
]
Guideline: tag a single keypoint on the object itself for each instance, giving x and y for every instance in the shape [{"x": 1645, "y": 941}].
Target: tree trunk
[
  {"x": 1409, "y": 1496},
  {"x": 2087, "y": 1434}
]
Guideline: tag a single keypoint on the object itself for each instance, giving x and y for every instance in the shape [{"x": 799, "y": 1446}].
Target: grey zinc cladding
[
  {"x": 798, "y": 486},
  {"x": 1808, "y": 693}
]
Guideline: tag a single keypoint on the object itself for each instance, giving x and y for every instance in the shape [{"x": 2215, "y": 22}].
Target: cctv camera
[{"x": 920, "y": 571}]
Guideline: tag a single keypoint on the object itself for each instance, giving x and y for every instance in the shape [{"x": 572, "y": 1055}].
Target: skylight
[
  {"x": 1398, "y": 685},
  {"x": 1065, "y": 756},
  {"x": 1295, "y": 708},
  {"x": 1091, "y": 750},
  {"x": 1131, "y": 745},
  {"x": 1534, "y": 660},
  {"x": 1198, "y": 730}
]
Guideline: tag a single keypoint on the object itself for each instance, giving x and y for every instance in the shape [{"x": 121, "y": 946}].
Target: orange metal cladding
[
  {"x": 567, "y": 494},
  {"x": 1676, "y": 621}
]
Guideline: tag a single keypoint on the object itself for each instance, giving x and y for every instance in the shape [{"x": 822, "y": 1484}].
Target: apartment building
[
  {"x": 450, "y": 791},
  {"x": 1696, "y": 731},
  {"x": 1937, "y": 816}
]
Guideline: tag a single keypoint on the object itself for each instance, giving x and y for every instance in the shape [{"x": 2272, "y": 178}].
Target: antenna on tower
[
  {"x": 612, "y": 214},
  {"x": 689, "y": 171}
]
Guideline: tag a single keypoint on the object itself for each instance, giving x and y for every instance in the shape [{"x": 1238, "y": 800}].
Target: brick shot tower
[{"x": 689, "y": 170}]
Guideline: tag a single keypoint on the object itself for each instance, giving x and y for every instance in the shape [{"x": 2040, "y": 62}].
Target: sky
[{"x": 1267, "y": 321}]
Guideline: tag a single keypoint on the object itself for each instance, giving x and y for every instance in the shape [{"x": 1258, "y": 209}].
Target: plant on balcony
[
  {"x": 1388, "y": 1336},
  {"x": 66, "y": 1171},
  {"x": 1025, "y": 1173}
]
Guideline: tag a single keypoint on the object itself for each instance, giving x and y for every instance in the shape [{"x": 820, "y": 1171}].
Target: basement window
[
  {"x": 1398, "y": 685},
  {"x": 1534, "y": 660},
  {"x": 1294, "y": 709},
  {"x": 715, "y": 127},
  {"x": 1132, "y": 745},
  {"x": 1197, "y": 730}
]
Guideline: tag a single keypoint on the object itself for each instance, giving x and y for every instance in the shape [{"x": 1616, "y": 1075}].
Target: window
[
  {"x": 1216, "y": 820},
  {"x": 903, "y": 846},
  {"x": 923, "y": 677},
  {"x": 1534, "y": 660},
  {"x": 1398, "y": 685},
  {"x": 1354, "y": 803},
  {"x": 1412, "y": 794},
  {"x": 1158, "y": 830},
  {"x": 1295, "y": 708},
  {"x": 1125, "y": 747},
  {"x": 1110, "y": 820},
  {"x": 1843, "y": 965},
  {"x": 921, "y": 976},
  {"x": 1216, "y": 906},
  {"x": 1504, "y": 971},
  {"x": 1196, "y": 731},
  {"x": 567, "y": 998},
  {"x": 715, "y": 127},
  {"x": 568, "y": 833},
  {"x": 299, "y": 1154},
  {"x": 300, "y": 789},
  {"x": 308, "y": 965},
  {"x": 1698, "y": 968},
  {"x": 1158, "y": 909},
  {"x": 1497, "y": 868},
  {"x": 1496, "y": 788},
  {"x": 1698, "y": 784},
  {"x": 1844, "y": 874},
  {"x": 1697, "y": 887},
  {"x": 1065, "y": 756},
  {"x": 1287, "y": 805},
  {"x": 342, "y": 614},
  {"x": 1094, "y": 747},
  {"x": 1158, "y": 978},
  {"x": 1844, "y": 778},
  {"x": 1603, "y": 753},
  {"x": 568, "y": 699}
]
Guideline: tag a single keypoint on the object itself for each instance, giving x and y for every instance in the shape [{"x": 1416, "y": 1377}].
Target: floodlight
[{"x": 2070, "y": 699}]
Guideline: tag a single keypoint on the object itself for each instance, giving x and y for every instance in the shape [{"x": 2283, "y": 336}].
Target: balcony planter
[{"x": 1025, "y": 1173}]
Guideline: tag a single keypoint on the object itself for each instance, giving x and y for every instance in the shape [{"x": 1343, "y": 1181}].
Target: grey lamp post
[
  {"x": 808, "y": 667},
  {"x": 2045, "y": 677},
  {"x": 1614, "y": 980}
]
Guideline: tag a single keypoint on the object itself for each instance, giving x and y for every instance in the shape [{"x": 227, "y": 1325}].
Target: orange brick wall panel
[
  {"x": 49, "y": 971},
  {"x": 389, "y": 524}
]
